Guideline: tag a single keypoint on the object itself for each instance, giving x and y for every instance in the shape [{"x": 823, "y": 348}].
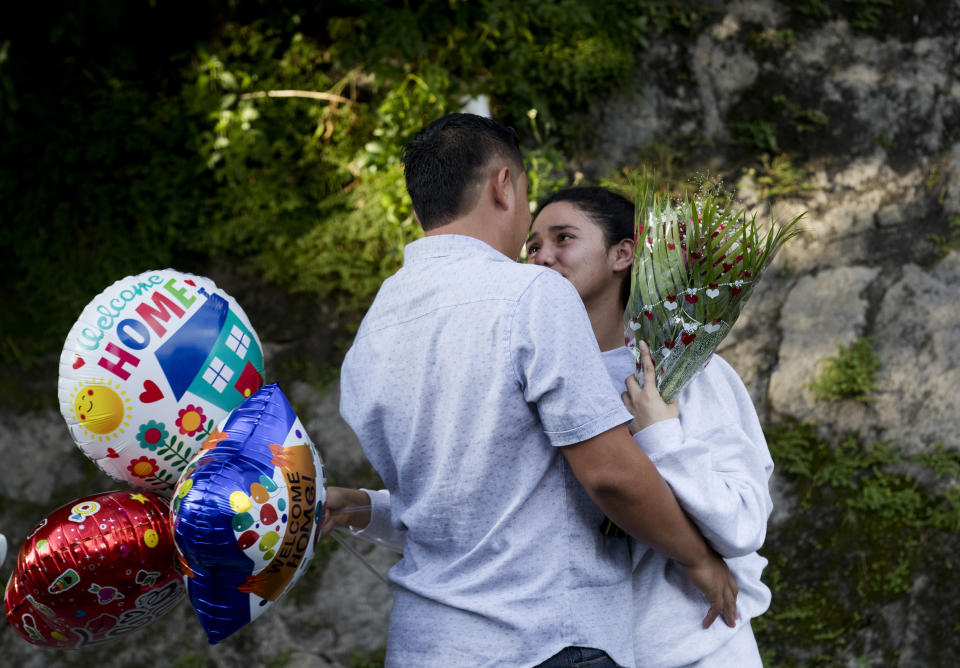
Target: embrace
[{"x": 496, "y": 400}]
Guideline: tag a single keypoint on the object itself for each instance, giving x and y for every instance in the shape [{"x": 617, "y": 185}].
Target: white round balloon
[{"x": 151, "y": 365}]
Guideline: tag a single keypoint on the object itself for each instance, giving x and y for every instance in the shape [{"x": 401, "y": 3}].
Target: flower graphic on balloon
[
  {"x": 190, "y": 420},
  {"x": 152, "y": 434},
  {"x": 143, "y": 467}
]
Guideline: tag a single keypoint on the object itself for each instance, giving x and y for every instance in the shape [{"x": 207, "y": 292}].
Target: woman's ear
[{"x": 622, "y": 253}]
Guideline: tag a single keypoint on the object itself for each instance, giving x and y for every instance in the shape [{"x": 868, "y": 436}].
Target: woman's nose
[{"x": 544, "y": 258}]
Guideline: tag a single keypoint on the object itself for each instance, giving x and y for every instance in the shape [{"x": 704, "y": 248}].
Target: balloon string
[{"x": 349, "y": 548}]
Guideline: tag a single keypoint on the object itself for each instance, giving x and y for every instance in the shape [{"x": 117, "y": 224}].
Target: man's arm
[
  {"x": 365, "y": 513},
  {"x": 624, "y": 484},
  {"x": 335, "y": 514}
]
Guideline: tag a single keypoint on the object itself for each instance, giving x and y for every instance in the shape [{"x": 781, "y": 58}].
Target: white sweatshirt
[{"x": 716, "y": 461}]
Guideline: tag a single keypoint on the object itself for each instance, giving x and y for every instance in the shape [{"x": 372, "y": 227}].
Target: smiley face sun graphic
[{"x": 101, "y": 409}]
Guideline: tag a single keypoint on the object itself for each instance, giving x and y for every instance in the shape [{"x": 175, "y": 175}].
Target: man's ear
[
  {"x": 623, "y": 252},
  {"x": 503, "y": 194}
]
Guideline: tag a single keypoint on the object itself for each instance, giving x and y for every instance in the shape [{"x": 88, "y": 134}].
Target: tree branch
[{"x": 310, "y": 94}]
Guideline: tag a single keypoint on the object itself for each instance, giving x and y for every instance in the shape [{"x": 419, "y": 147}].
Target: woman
[{"x": 708, "y": 446}]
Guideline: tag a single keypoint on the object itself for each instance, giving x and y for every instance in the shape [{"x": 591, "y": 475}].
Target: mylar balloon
[
  {"x": 151, "y": 365},
  {"x": 246, "y": 513},
  {"x": 97, "y": 568}
]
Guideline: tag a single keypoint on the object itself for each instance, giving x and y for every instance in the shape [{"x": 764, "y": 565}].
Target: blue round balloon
[{"x": 246, "y": 513}]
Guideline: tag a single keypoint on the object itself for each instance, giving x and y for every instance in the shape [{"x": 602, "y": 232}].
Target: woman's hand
[
  {"x": 645, "y": 403},
  {"x": 335, "y": 513}
]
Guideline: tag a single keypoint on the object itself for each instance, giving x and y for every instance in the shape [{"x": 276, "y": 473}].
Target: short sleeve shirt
[{"x": 467, "y": 373}]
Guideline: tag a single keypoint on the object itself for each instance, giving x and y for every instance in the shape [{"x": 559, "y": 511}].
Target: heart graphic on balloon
[{"x": 150, "y": 392}]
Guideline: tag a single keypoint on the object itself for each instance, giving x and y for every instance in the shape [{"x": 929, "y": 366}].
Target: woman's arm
[
  {"x": 719, "y": 479},
  {"x": 717, "y": 463},
  {"x": 363, "y": 512}
]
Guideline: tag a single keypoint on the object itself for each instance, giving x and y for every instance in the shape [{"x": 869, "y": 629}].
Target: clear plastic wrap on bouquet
[{"x": 695, "y": 265}]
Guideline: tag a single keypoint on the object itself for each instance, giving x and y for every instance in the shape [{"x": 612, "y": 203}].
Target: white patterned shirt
[{"x": 467, "y": 373}]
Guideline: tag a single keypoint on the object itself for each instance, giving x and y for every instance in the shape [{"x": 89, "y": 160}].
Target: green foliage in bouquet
[{"x": 696, "y": 264}]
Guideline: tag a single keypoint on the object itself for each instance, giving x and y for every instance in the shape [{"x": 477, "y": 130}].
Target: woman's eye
[
  {"x": 532, "y": 249},
  {"x": 564, "y": 236}
]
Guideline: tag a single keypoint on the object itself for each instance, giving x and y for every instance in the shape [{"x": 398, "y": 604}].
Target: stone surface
[
  {"x": 819, "y": 314},
  {"x": 916, "y": 335},
  {"x": 38, "y": 456}
]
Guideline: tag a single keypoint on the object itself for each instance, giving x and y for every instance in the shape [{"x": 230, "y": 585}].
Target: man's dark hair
[
  {"x": 610, "y": 211},
  {"x": 444, "y": 164}
]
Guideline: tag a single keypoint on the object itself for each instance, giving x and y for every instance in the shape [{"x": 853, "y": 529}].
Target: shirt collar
[{"x": 446, "y": 245}]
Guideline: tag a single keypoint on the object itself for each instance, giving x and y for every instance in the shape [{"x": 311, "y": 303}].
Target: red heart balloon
[{"x": 93, "y": 570}]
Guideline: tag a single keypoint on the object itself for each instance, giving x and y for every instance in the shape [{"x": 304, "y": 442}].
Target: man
[{"x": 478, "y": 393}]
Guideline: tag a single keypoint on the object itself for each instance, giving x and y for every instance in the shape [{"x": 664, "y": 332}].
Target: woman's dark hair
[
  {"x": 611, "y": 211},
  {"x": 445, "y": 161}
]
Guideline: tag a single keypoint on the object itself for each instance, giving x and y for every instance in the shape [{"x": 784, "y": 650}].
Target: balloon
[
  {"x": 94, "y": 569},
  {"x": 246, "y": 513},
  {"x": 151, "y": 365}
]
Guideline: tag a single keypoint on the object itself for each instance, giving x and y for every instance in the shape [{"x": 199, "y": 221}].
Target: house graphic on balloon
[{"x": 213, "y": 355}]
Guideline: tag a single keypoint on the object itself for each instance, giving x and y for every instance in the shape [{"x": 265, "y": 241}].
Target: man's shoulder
[
  {"x": 408, "y": 295},
  {"x": 484, "y": 279},
  {"x": 524, "y": 277},
  {"x": 542, "y": 280}
]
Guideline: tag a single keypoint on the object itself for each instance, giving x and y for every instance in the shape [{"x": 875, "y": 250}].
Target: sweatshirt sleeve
[
  {"x": 381, "y": 530},
  {"x": 716, "y": 461}
]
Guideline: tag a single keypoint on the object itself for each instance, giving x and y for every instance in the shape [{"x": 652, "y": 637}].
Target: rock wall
[{"x": 884, "y": 177}]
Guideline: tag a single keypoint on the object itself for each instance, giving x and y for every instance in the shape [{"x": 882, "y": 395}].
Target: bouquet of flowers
[{"x": 695, "y": 265}]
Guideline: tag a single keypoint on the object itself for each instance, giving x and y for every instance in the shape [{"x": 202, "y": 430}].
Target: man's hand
[
  {"x": 334, "y": 509},
  {"x": 714, "y": 579},
  {"x": 645, "y": 403}
]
